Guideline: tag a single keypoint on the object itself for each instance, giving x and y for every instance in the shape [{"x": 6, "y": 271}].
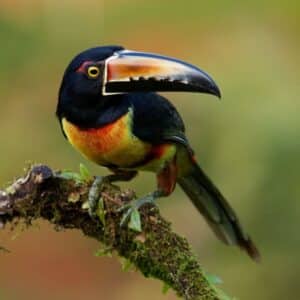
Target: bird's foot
[
  {"x": 135, "y": 205},
  {"x": 96, "y": 188},
  {"x": 94, "y": 194}
]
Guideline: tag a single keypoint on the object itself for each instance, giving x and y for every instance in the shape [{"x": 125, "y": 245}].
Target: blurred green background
[{"x": 249, "y": 143}]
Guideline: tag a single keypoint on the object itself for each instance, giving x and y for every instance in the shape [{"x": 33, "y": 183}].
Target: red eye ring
[{"x": 83, "y": 66}]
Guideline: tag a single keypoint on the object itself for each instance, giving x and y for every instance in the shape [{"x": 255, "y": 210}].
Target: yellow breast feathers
[{"x": 111, "y": 144}]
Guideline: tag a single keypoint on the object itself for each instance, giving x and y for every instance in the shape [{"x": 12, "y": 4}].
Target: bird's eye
[{"x": 93, "y": 72}]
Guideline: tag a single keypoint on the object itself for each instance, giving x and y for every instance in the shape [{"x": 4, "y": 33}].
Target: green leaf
[
  {"x": 71, "y": 176},
  {"x": 135, "y": 221},
  {"x": 127, "y": 265},
  {"x": 107, "y": 251},
  {"x": 101, "y": 211},
  {"x": 84, "y": 173},
  {"x": 213, "y": 279},
  {"x": 165, "y": 288}
]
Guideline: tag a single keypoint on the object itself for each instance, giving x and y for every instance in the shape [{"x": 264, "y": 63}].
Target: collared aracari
[{"x": 109, "y": 111}]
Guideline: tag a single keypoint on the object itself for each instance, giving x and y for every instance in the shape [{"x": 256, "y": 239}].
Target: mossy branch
[{"x": 156, "y": 251}]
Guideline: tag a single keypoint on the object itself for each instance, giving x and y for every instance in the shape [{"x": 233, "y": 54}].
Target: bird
[{"x": 110, "y": 110}]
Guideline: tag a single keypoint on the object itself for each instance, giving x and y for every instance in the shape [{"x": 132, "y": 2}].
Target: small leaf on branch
[
  {"x": 68, "y": 175},
  {"x": 84, "y": 173},
  {"x": 165, "y": 288},
  {"x": 101, "y": 211},
  {"x": 106, "y": 251},
  {"x": 135, "y": 221}
]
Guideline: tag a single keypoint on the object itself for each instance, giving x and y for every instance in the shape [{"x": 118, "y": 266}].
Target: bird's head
[{"x": 96, "y": 74}]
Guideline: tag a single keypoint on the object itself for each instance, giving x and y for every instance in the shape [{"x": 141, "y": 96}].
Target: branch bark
[{"x": 156, "y": 251}]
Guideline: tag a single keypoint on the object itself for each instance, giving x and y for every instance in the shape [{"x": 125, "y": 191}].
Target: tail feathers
[{"x": 216, "y": 210}]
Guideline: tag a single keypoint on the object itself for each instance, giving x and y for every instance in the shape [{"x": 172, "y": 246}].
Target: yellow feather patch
[
  {"x": 111, "y": 144},
  {"x": 115, "y": 144}
]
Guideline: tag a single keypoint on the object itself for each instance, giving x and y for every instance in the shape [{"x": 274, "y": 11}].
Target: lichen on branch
[{"x": 156, "y": 251}]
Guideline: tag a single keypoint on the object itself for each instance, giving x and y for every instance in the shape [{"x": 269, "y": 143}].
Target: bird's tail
[{"x": 216, "y": 210}]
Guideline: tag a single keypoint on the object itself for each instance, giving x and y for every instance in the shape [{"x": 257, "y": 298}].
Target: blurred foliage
[{"x": 249, "y": 142}]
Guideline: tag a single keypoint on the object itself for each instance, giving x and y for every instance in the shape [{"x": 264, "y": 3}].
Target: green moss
[
  {"x": 156, "y": 251},
  {"x": 160, "y": 253}
]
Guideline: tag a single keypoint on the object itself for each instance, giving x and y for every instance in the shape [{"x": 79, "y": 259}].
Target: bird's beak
[{"x": 128, "y": 71}]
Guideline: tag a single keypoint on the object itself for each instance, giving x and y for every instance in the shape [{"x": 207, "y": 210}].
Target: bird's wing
[{"x": 155, "y": 119}]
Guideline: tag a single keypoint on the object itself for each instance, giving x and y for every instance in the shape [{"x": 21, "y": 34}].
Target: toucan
[{"x": 109, "y": 110}]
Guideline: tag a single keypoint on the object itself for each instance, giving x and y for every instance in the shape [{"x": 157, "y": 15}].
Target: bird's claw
[
  {"x": 134, "y": 205},
  {"x": 94, "y": 195}
]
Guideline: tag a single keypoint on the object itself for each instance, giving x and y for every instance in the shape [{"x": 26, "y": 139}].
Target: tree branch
[{"x": 156, "y": 251}]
